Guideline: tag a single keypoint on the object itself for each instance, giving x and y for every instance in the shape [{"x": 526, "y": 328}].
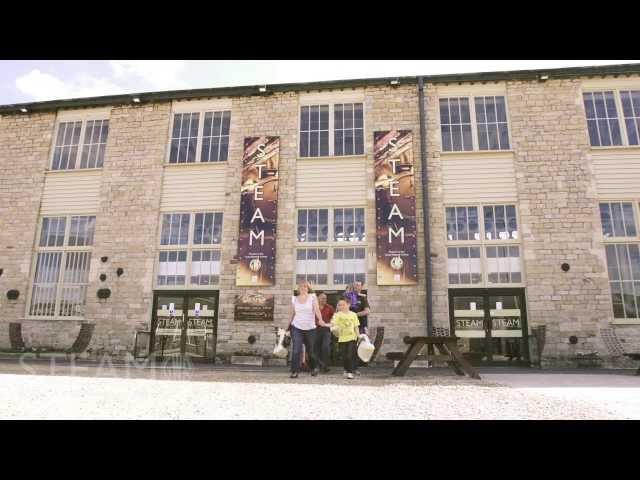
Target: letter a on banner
[
  {"x": 258, "y": 212},
  {"x": 396, "y": 242}
]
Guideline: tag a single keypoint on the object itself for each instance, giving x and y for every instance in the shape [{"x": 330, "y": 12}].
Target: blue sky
[{"x": 27, "y": 81}]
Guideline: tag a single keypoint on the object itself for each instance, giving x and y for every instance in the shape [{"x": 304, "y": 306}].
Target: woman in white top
[{"x": 305, "y": 315}]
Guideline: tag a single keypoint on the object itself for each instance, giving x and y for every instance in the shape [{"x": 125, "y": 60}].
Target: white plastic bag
[
  {"x": 279, "y": 350},
  {"x": 365, "y": 348},
  {"x": 335, "y": 329}
]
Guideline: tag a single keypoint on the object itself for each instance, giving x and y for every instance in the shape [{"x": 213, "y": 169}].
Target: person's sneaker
[
  {"x": 357, "y": 372},
  {"x": 345, "y": 374},
  {"x": 293, "y": 375},
  {"x": 325, "y": 370},
  {"x": 314, "y": 372},
  {"x": 350, "y": 376}
]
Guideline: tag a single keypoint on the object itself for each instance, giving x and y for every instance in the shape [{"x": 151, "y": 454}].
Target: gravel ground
[{"x": 87, "y": 393}]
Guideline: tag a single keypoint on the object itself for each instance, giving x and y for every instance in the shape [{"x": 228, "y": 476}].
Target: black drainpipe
[{"x": 425, "y": 204}]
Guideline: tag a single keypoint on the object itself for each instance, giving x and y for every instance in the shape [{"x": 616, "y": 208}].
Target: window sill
[
  {"x": 480, "y": 242},
  {"x": 186, "y": 288},
  {"x": 626, "y": 321},
  {"x": 487, "y": 286},
  {"x": 331, "y": 244},
  {"x": 479, "y": 153},
  {"x": 334, "y": 157},
  {"x": 196, "y": 164},
  {"x": 54, "y": 319},
  {"x": 71, "y": 171},
  {"x": 618, "y": 149}
]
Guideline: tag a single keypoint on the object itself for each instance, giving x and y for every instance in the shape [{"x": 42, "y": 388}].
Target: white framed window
[
  {"x": 80, "y": 144},
  {"x": 604, "y": 109},
  {"x": 619, "y": 221},
  {"x": 61, "y": 267},
  {"x": 483, "y": 246},
  {"x": 474, "y": 123},
  {"x": 331, "y": 129},
  {"x": 464, "y": 265},
  {"x": 455, "y": 124},
  {"x": 199, "y": 136},
  {"x": 631, "y": 112},
  {"x": 312, "y": 265},
  {"x": 190, "y": 250},
  {"x": 331, "y": 246}
]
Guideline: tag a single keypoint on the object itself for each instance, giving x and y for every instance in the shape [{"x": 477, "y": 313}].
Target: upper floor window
[
  {"x": 603, "y": 109},
  {"x": 468, "y": 125},
  {"x": 200, "y": 137},
  {"x": 331, "y": 130},
  {"x": 80, "y": 144},
  {"x": 631, "y": 110}
]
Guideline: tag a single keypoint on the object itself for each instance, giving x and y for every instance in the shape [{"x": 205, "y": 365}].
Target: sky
[{"x": 32, "y": 80}]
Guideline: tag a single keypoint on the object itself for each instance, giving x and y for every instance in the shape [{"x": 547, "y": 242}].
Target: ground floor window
[
  {"x": 623, "y": 264},
  {"x": 483, "y": 246},
  {"x": 189, "y": 249},
  {"x": 61, "y": 266},
  {"x": 331, "y": 266},
  {"x": 331, "y": 246}
]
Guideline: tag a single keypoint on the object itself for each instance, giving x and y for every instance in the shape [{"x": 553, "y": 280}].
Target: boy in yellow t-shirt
[{"x": 346, "y": 323}]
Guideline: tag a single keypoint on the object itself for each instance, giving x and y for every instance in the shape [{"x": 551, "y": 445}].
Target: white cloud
[
  {"x": 125, "y": 76},
  {"x": 97, "y": 78},
  {"x": 44, "y": 86},
  {"x": 155, "y": 74}
]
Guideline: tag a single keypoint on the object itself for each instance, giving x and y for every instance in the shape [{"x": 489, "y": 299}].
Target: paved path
[
  {"x": 87, "y": 392},
  {"x": 619, "y": 392}
]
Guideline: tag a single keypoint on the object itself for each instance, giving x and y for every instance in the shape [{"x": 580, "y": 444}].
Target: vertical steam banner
[
  {"x": 396, "y": 242},
  {"x": 258, "y": 212}
]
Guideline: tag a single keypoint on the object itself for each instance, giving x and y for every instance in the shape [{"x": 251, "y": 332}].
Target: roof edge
[{"x": 254, "y": 90}]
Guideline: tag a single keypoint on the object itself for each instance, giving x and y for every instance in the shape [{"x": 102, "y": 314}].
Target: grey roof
[{"x": 147, "y": 97}]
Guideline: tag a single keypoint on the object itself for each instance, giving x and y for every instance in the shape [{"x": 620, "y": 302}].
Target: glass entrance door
[
  {"x": 184, "y": 324},
  {"x": 491, "y": 324}
]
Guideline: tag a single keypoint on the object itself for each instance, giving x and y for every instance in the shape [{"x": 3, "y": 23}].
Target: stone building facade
[{"x": 545, "y": 169}]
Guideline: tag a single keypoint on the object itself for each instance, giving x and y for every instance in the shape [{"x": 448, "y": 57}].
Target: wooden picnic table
[{"x": 448, "y": 348}]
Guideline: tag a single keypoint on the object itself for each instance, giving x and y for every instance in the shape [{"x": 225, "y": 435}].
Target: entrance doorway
[
  {"x": 492, "y": 324},
  {"x": 185, "y": 324}
]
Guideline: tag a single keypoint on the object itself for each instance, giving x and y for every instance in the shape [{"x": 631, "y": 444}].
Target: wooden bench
[
  {"x": 634, "y": 356},
  {"x": 446, "y": 345},
  {"x": 377, "y": 343}
]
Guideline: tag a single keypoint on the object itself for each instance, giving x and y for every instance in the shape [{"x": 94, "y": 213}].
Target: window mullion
[
  {"x": 200, "y": 133},
  {"x": 60, "y": 283},
  {"x": 621, "y": 120},
  {"x": 620, "y": 281},
  {"x": 474, "y": 127},
  {"x": 331, "y": 131}
]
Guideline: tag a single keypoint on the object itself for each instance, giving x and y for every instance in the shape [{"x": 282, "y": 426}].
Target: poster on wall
[
  {"x": 250, "y": 307},
  {"x": 258, "y": 212},
  {"x": 396, "y": 242}
]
